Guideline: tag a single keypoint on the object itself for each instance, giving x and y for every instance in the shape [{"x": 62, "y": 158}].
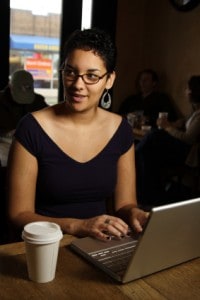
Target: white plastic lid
[{"x": 42, "y": 232}]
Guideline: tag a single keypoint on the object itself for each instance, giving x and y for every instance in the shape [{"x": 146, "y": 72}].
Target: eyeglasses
[{"x": 88, "y": 78}]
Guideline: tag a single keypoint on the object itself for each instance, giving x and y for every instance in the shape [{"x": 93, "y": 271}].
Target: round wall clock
[{"x": 184, "y": 5}]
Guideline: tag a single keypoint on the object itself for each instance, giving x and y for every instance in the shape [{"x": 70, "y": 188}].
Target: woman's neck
[{"x": 79, "y": 118}]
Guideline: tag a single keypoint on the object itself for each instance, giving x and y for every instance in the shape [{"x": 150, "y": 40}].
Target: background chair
[{"x": 185, "y": 179}]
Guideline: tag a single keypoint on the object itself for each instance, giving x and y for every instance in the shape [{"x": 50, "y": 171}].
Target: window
[
  {"x": 34, "y": 43},
  {"x": 86, "y": 14}
]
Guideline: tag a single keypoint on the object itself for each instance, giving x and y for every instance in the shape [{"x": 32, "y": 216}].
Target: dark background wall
[{"x": 153, "y": 34}]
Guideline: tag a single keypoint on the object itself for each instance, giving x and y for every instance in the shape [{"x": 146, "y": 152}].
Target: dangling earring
[{"x": 106, "y": 103}]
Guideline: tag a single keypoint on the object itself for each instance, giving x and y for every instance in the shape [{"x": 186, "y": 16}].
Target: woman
[
  {"x": 168, "y": 147},
  {"x": 68, "y": 158}
]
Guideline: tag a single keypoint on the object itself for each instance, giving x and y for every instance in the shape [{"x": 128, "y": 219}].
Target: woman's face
[{"x": 80, "y": 95}]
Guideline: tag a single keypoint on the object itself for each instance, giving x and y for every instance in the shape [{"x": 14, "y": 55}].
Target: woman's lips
[{"x": 77, "y": 98}]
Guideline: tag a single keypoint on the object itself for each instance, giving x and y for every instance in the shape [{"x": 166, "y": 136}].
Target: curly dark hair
[{"x": 96, "y": 40}]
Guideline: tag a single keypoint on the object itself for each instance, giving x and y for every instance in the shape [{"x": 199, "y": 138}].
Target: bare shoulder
[
  {"x": 108, "y": 123},
  {"x": 45, "y": 113},
  {"x": 111, "y": 117}
]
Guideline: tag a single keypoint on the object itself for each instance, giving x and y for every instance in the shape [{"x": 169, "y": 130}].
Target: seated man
[
  {"x": 17, "y": 99},
  {"x": 148, "y": 100}
]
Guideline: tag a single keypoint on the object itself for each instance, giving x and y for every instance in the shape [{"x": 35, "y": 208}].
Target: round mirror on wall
[{"x": 184, "y": 5}]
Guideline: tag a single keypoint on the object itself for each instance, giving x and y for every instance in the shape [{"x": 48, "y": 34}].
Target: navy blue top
[{"x": 66, "y": 187}]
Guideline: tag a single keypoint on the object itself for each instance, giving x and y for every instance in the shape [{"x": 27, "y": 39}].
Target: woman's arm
[
  {"x": 190, "y": 135},
  {"x": 125, "y": 192},
  {"x": 22, "y": 176}
]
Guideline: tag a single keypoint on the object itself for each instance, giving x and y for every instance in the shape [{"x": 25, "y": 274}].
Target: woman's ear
[{"x": 110, "y": 80}]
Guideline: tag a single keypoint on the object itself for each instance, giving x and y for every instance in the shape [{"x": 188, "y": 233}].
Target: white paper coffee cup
[{"x": 42, "y": 243}]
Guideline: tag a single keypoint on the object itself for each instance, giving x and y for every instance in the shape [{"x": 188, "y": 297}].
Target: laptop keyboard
[{"x": 117, "y": 257}]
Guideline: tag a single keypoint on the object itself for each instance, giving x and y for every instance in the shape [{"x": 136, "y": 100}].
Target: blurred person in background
[
  {"x": 169, "y": 146},
  {"x": 148, "y": 101},
  {"x": 17, "y": 99}
]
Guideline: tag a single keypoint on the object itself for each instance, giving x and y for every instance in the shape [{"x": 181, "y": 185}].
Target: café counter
[{"x": 78, "y": 279}]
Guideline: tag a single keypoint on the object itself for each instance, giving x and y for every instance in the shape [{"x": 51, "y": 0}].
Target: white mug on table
[{"x": 162, "y": 115}]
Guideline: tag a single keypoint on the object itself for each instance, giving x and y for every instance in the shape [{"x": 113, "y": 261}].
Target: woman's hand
[
  {"x": 138, "y": 218},
  {"x": 101, "y": 227},
  {"x": 135, "y": 217}
]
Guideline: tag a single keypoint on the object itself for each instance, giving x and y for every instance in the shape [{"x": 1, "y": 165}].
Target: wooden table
[{"x": 77, "y": 279}]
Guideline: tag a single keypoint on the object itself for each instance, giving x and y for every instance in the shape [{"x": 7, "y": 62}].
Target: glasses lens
[
  {"x": 90, "y": 78},
  {"x": 69, "y": 75}
]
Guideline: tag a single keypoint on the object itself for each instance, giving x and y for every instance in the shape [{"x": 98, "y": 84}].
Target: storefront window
[{"x": 34, "y": 43}]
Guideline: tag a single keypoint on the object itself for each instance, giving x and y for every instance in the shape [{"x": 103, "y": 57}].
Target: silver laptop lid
[{"x": 170, "y": 238}]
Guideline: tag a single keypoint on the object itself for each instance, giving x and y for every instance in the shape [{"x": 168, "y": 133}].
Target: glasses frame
[{"x": 76, "y": 76}]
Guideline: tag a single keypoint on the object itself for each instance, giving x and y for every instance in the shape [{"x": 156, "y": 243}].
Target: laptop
[{"x": 170, "y": 237}]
